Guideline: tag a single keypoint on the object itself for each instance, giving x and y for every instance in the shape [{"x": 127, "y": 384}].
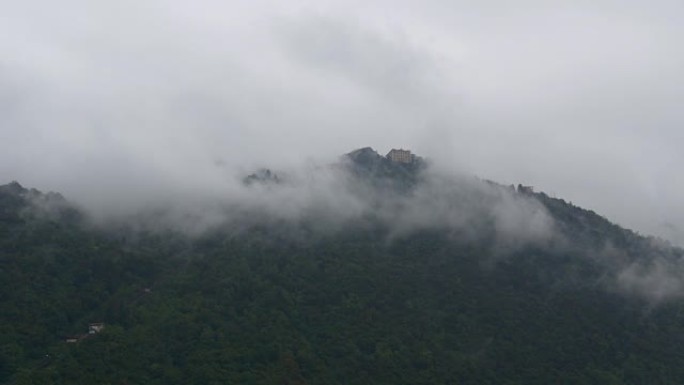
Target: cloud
[
  {"x": 319, "y": 199},
  {"x": 656, "y": 280},
  {"x": 385, "y": 64},
  {"x": 118, "y": 104}
]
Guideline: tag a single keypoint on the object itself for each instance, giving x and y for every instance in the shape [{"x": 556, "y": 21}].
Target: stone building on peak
[{"x": 401, "y": 156}]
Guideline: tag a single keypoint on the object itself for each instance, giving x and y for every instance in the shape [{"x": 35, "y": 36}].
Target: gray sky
[{"x": 113, "y": 102}]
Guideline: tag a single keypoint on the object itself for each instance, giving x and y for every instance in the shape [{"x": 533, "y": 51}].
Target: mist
[
  {"x": 658, "y": 281},
  {"x": 122, "y": 106},
  {"x": 330, "y": 197},
  {"x": 320, "y": 200}
]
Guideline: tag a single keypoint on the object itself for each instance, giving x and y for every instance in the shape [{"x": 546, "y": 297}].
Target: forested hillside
[{"x": 497, "y": 285}]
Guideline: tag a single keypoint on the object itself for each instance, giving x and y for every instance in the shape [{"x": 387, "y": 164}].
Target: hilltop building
[{"x": 400, "y": 156}]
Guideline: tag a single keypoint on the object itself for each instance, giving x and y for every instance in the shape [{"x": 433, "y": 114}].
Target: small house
[{"x": 95, "y": 328}]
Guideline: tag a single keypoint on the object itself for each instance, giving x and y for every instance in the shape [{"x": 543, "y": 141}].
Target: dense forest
[{"x": 281, "y": 301}]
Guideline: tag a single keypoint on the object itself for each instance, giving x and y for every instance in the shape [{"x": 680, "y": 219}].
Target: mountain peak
[
  {"x": 263, "y": 176},
  {"x": 364, "y": 154},
  {"x": 13, "y": 188}
]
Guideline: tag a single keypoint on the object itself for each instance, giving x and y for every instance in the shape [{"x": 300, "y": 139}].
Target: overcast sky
[{"x": 110, "y": 101}]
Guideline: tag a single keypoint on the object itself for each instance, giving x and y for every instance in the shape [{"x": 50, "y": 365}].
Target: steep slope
[{"x": 383, "y": 297}]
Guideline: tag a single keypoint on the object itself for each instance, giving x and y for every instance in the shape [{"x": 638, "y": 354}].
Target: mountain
[{"x": 384, "y": 272}]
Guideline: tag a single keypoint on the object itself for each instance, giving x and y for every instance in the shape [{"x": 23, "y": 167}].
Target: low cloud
[
  {"x": 648, "y": 268},
  {"x": 330, "y": 198},
  {"x": 323, "y": 199},
  {"x": 656, "y": 280}
]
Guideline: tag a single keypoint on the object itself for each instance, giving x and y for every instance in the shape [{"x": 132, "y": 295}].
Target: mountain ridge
[{"x": 438, "y": 281}]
